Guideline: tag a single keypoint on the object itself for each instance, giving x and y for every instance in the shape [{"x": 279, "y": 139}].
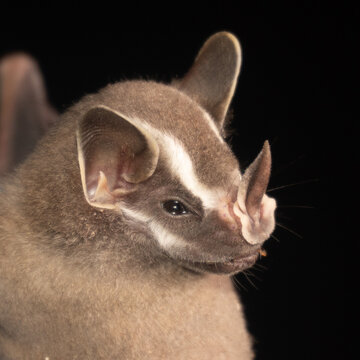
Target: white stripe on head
[
  {"x": 134, "y": 215},
  {"x": 181, "y": 165},
  {"x": 165, "y": 238}
]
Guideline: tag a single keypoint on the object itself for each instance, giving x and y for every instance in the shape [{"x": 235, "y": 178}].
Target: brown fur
[
  {"x": 25, "y": 113},
  {"x": 80, "y": 282}
]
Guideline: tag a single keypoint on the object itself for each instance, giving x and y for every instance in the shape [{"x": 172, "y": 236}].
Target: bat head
[{"x": 154, "y": 154}]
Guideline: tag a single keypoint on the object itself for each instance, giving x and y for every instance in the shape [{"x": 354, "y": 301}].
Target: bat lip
[{"x": 228, "y": 267}]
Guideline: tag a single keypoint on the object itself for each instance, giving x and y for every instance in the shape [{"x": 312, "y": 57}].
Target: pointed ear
[
  {"x": 25, "y": 113},
  {"x": 114, "y": 153},
  {"x": 212, "y": 79}
]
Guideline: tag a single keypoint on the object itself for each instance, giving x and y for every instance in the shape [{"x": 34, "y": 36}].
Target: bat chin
[{"x": 227, "y": 267}]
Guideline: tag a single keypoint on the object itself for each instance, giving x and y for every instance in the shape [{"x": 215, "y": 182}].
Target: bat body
[{"x": 119, "y": 232}]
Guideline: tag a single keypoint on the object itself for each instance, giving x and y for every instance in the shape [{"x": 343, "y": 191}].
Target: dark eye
[{"x": 175, "y": 207}]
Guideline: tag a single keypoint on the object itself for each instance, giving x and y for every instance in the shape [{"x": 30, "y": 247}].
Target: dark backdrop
[{"x": 295, "y": 90}]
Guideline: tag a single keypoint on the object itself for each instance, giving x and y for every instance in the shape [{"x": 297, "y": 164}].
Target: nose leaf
[
  {"x": 253, "y": 207},
  {"x": 256, "y": 179}
]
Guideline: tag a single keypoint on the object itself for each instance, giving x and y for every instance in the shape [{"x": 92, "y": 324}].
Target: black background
[{"x": 295, "y": 89}]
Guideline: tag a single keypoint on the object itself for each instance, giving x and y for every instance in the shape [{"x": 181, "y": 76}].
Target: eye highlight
[{"x": 175, "y": 207}]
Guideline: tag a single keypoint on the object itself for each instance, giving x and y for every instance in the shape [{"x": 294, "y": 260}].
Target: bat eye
[{"x": 175, "y": 207}]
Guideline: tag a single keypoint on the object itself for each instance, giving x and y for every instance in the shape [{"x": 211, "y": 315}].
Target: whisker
[
  {"x": 237, "y": 283},
  {"x": 260, "y": 267},
  {"x": 291, "y": 231},
  {"x": 293, "y": 184},
  {"x": 275, "y": 238},
  {"x": 253, "y": 275},
  {"x": 244, "y": 272},
  {"x": 297, "y": 206},
  {"x": 283, "y": 216}
]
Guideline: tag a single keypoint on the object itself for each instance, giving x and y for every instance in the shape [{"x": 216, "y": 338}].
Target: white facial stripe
[
  {"x": 135, "y": 215},
  {"x": 181, "y": 165},
  {"x": 165, "y": 238}
]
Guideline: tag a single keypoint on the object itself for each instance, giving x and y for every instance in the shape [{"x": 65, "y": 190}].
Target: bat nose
[
  {"x": 254, "y": 183},
  {"x": 256, "y": 231},
  {"x": 253, "y": 209}
]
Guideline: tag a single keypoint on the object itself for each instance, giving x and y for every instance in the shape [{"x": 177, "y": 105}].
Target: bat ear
[
  {"x": 212, "y": 79},
  {"x": 25, "y": 113},
  {"x": 114, "y": 153}
]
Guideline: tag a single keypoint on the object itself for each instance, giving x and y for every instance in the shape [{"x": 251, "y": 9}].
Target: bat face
[
  {"x": 154, "y": 155},
  {"x": 157, "y": 158},
  {"x": 193, "y": 204},
  {"x": 133, "y": 185}
]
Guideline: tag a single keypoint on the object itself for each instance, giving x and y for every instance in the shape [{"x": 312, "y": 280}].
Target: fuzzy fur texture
[{"x": 85, "y": 282}]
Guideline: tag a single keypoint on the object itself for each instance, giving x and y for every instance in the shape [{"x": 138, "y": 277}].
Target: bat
[{"x": 120, "y": 231}]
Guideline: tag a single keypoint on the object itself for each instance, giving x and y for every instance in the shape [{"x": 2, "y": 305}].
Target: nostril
[{"x": 227, "y": 216}]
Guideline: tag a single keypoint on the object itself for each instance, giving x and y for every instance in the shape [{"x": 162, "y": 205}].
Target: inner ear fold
[
  {"x": 114, "y": 153},
  {"x": 212, "y": 79}
]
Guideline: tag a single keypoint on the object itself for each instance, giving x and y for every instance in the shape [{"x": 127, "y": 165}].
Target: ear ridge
[
  {"x": 115, "y": 153},
  {"x": 212, "y": 79}
]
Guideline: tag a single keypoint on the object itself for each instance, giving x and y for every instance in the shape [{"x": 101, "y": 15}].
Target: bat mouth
[{"x": 229, "y": 267}]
